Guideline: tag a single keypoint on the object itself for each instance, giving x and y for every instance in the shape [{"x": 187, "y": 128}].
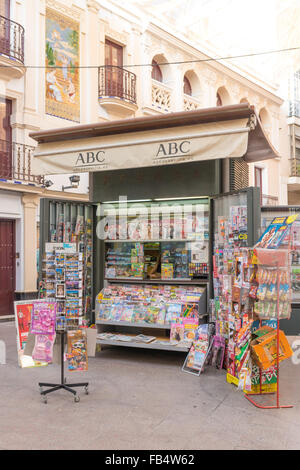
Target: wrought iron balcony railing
[
  {"x": 15, "y": 162},
  {"x": 116, "y": 82},
  {"x": 295, "y": 167},
  {"x": 11, "y": 39}
]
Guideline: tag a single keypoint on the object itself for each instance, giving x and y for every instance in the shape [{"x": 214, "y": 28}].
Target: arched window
[
  {"x": 187, "y": 89},
  {"x": 219, "y": 100},
  {"x": 156, "y": 71}
]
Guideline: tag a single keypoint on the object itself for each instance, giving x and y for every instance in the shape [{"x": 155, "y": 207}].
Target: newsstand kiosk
[{"x": 158, "y": 186}]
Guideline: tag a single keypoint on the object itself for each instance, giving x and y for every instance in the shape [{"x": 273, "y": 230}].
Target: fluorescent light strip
[
  {"x": 125, "y": 201},
  {"x": 179, "y": 198}
]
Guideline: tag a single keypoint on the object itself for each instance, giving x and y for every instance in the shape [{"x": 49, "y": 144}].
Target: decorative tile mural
[{"x": 62, "y": 50}]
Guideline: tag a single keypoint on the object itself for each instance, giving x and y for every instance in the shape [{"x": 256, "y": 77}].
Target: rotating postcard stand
[
  {"x": 276, "y": 261},
  {"x": 62, "y": 385}
]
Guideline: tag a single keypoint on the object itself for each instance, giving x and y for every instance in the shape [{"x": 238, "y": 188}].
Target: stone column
[
  {"x": 136, "y": 49},
  {"x": 91, "y": 58},
  {"x": 30, "y": 204}
]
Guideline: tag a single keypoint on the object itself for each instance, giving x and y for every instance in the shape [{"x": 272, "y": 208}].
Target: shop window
[
  {"x": 156, "y": 72},
  {"x": 187, "y": 89}
]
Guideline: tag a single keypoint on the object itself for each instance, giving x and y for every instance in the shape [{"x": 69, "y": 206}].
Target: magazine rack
[
  {"x": 280, "y": 260},
  {"x": 62, "y": 385}
]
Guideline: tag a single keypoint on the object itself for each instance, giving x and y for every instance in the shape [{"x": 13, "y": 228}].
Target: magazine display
[{"x": 158, "y": 304}]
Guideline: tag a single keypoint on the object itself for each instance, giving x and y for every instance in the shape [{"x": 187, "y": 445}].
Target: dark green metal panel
[{"x": 184, "y": 180}]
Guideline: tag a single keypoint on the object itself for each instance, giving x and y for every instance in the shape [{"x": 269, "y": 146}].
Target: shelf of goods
[
  {"x": 164, "y": 260},
  {"x": 145, "y": 316}
]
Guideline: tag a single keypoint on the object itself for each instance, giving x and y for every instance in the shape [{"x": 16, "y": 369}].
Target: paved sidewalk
[{"x": 140, "y": 400}]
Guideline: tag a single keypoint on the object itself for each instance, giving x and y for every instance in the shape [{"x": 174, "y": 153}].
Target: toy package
[
  {"x": 43, "y": 318},
  {"x": 43, "y": 348},
  {"x": 77, "y": 350}
]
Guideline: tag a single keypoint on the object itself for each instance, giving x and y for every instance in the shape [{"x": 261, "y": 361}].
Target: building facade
[{"x": 91, "y": 61}]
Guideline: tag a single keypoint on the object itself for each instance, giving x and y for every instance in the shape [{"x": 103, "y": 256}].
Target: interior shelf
[
  {"x": 161, "y": 326},
  {"x": 157, "y": 281},
  {"x": 184, "y": 240},
  {"x": 135, "y": 344}
]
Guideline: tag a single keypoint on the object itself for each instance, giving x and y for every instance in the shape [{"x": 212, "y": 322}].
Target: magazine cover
[
  {"x": 190, "y": 328},
  {"x": 177, "y": 332},
  {"x": 173, "y": 312},
  {"x": 275, "y": 233},
  {"x": 167, "y": 271}
]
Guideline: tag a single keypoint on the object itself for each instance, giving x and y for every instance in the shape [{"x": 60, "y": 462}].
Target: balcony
[
  {"x": 117, "y": 90},
  {"x": 15, "y": 163},
  {"x": 161, "y": 97},
  {"x": 11, "y": 49},
  {"x": 294, "y": 108},
  {"x": 267, "y": 200},
  {"x": 190, "y": 103}
]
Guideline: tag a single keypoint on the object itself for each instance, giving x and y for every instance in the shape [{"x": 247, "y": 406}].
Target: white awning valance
[{"x": 206, "y": 141}]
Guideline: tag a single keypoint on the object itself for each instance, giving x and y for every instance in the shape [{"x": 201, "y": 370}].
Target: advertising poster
[
  {"x": 23, "y": 311},
  {"x": 23, "y": 315}
]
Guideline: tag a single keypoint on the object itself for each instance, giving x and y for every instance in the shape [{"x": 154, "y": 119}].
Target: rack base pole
[
  {"x": 53, "y": 387},
  {"x": 266, "y": 407}
]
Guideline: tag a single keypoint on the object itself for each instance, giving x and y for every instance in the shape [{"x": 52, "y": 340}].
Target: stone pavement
[{"x": 140, "y": 399}]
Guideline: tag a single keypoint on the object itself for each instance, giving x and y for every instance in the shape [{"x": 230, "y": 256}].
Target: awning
[{"x": 206, "y": 134}]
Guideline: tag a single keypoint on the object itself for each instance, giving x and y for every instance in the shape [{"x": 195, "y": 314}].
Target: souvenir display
[
  {"x": 67, "y": 285},
  {"x": 169, "y": 244},
  {"x": 250, "y": 285},
  {"x": 71, "y": 230}
]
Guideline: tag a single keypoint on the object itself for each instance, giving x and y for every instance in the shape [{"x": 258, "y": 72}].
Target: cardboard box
[{"x": 264, "y": 347}]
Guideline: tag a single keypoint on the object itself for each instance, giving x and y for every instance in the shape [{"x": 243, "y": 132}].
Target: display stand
[
  {"x": 278, "y": 405},
  {"x": 63, "y": 385}
]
